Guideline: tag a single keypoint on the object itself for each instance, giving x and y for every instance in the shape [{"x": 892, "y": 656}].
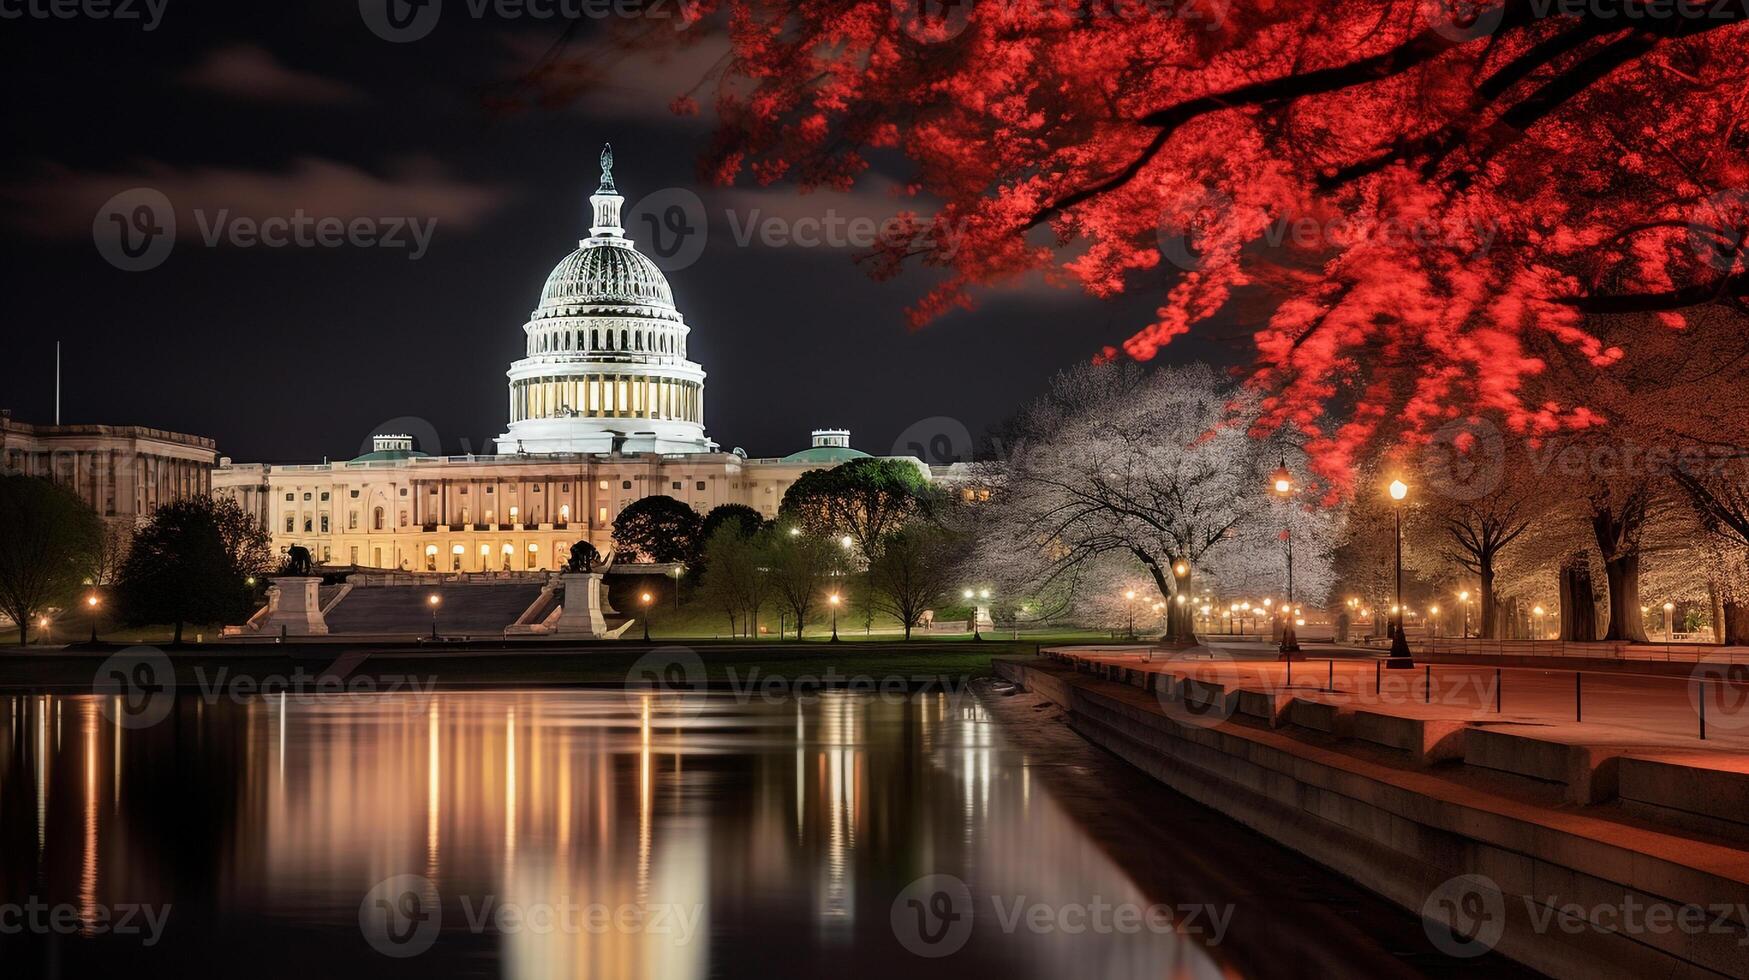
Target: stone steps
[{"x": 1408, "y": 831}]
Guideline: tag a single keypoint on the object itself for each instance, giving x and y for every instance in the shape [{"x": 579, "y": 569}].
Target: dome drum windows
[{"x": 607, "y": 396}]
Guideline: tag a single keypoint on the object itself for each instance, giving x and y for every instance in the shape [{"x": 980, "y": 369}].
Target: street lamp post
[
  {"x": 645, "y": 599},
  {"x": 1181, "y": 623},
  {"x": 91, "y": 610},
  {"x": 433, "y": 600},
  {"x": 832, "y": 600},
  {"x": 678, "y": 571},
  {"x": 971, "y": 599},
  {"x": 1400, "y": 659},
  {"x": 1129, "y": 603},
  {"x": 1283, "y": 485},
  {"x": 1464, "y": 597}
]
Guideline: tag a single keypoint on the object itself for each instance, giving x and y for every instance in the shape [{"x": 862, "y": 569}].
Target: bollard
[
  {"x": 1290, "y": 672},
  {"x": 1332, "y": 675},
  {"x": 1497, "y": 678},
  {"x": 1578, "y": 699},
  {"x": 1427, "y": 696},
  {"x": 1378, "y": 689},
  {"x": 1703, "y": 709}
]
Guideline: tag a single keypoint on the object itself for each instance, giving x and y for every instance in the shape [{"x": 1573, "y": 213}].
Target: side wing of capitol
[{"x": 604, "y": 408}]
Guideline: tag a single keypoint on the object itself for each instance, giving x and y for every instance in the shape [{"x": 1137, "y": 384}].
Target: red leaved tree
[{"x": 1428, "y": 196}]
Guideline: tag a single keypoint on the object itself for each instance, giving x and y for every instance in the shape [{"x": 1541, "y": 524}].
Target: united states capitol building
[{"x": 604, "y": 408}]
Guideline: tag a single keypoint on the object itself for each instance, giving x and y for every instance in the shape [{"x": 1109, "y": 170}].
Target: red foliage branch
[{"x": 1435, "y": 194}]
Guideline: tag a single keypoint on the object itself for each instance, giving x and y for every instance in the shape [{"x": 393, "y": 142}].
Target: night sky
[{"x": 298, "y": 353}]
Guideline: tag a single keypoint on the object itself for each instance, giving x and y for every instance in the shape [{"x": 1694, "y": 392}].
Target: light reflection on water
[{"x": 782, "y": 831}]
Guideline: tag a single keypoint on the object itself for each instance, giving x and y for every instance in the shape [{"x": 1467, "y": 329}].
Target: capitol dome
[
  {"x": 610, "y": 271},
  {"x": 606, "y": 367}
]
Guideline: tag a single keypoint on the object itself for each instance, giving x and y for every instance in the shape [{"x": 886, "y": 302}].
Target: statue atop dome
[{"x": 607, "y": 167}]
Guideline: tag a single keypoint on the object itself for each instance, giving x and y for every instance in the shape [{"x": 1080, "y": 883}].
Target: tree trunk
[
  {"x": 1716, "y": 611},
  {"x": 1625, "y": 621},
  {"x": 1736, "y": 623},
  {"x": 1506, "y": 619},
  {"x": 23, "y": 631},
  {"x": 1578, "y": 606},
  {"x": 176, "y": 637},
  {"x": 1490, "y": 624},
  {"x": 1180, "y": 616},
  {"x": 1734, "y": 629}
]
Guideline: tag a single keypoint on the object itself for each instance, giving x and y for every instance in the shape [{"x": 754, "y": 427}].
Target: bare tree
[{"x": 911, "y": 571}]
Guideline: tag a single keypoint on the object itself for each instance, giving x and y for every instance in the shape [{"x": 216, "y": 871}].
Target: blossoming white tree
[{"x": 1155, "y": 470}]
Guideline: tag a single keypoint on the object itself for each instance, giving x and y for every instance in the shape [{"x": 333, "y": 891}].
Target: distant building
[
  {"x": 123, "y": 472},
  {"x": 605, "y": 408}
]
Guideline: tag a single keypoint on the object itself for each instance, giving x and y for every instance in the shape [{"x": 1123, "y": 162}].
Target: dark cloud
[{"x": 250, "y": 72}]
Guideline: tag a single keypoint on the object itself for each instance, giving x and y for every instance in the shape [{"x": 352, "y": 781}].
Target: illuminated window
[{"x": 600, "y": 516}]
